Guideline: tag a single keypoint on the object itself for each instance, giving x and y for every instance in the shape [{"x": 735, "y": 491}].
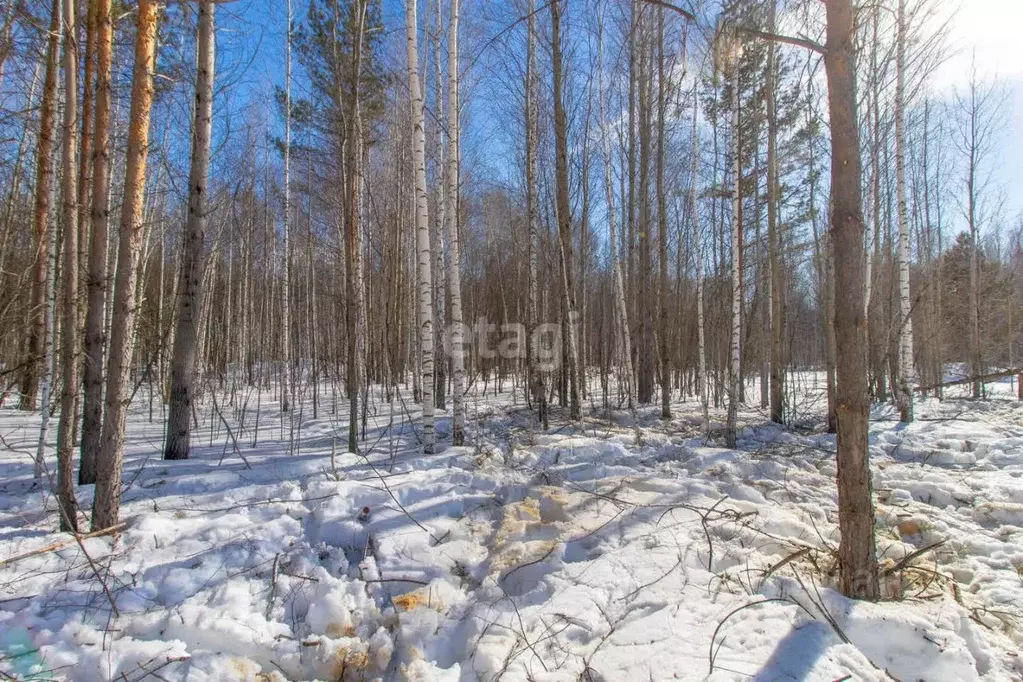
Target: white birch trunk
[
  {"x": 46, "y": 380},
  {"x": 354, "y": 284},
  {"x": 440, "y": 221},
  {"x": 454, "y": 260},
  {"x": 536, "y": 381},
  {"x": 69, "y": 336},
  {"x": 694, "y": 151},
  {"x": 424, "y": 256},
  {"x": 905, "y": 391},
  {"x": 733, "y": 367}
]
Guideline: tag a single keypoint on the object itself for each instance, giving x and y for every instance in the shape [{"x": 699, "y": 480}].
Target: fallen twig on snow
[
  {"x": 909, "y": 557},
  {"x": 53, "y": 547}
]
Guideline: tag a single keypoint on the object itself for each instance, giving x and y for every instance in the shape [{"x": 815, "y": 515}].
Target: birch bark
[
  {"x": 424, "y": 257},
  {"x": 734, "y": 358},
  {"x": 905, "y": 323},
  {"x": 69, "y": 271},
  {"x": 454, "y": 261},
  {"x": 536, "y": 378}
]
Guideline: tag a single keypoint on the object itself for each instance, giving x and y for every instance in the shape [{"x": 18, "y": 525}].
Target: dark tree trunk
[{"x": 855, "y": 504}]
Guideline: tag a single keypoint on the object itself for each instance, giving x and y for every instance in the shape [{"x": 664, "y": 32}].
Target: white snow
[{"x": 611, "y": 551}]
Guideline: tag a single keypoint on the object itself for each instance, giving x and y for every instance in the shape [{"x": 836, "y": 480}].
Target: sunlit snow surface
[{"x": 621, "y": 549}]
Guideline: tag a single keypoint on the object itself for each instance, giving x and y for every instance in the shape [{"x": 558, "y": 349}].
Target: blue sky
[{"x": 985, "y": 32}]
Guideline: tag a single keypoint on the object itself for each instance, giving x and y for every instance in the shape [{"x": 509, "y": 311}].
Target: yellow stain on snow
[
  {"x": 515, "y": 542},
  {"x": 244, "y": 670},
  {"x": 350, "y": 664},
  {"x": 416, "y": 598},
  {"x": 407, "y": 601},
  {"x": 339, "y": 630}
]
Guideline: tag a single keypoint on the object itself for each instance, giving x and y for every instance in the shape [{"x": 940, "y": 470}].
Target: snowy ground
[{"x": 624, "y": 549}]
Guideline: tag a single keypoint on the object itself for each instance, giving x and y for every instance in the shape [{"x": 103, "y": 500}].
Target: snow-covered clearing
[{"x": 611, "y": 551}]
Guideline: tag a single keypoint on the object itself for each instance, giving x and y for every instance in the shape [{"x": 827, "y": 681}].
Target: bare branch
[
  {"x": 688, "y": 16},
  {"x": 777, "y": 38}
]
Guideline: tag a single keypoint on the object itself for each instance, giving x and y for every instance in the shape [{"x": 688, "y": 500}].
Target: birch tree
[
  {"x": 40, "y": 345},
  {"x": 69, "y": 337},
  {"x": 645, "y": 345},
  {"x": 288, "y": 383},
  {"x": 183, "y": 360},
  {"x": 440, "y": 210},
  {"x": 424, "y": 256},
  {"x": 454, "y": 259},
  {"x": 904, "y": 321},
  {"x": 777, "y": 315},
  {"x": 353, "y": 234},
  {"x": 535, "y": 377},
  {"x": 694, "y": 219},
  {"x": 662, "y": 225},
  {"x": 734, "y": 48}
]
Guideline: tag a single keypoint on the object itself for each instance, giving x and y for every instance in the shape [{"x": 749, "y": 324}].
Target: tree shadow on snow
[{"x": 797, "y": 653}]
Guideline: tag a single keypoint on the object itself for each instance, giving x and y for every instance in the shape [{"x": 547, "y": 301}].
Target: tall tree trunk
[
  {"x": 564, "y": 214},
  {"x": 694, "y": 218},
  {"x": 107, "y": 501},
  {"x": 440, "y": 219},
  {"x": 41, "y": 217},
  {"x": 773, "y": 232},
  {"x": 183, "y": 360},
  {"x": 536, "y": 377},
  {"x": 85, "y": 158},
  {"x": 972, "y": 134},
  {"x": 584, "y": 247},
  {"x": 46, "y": 379},
  {"x": 311, "y": 285},
  {"x": 857, "y": 554},
  {"x": 453, "y": 212},
  {"x": 353, "y": 237},
  {"x": 736, "y": 284},
  {"x": 662, "y": 225},
  {"x": 95, "y": 336},
  {"x": 644, "y": 296},
  {"x": 288, "y": 388},
  {"x": 620, "y": 306},
  {"x": 69, "y": 336},
  {"x": 424, "y": 256},
  {"x": 875, "y": 323},
  {"x": 905, "y": 322}
]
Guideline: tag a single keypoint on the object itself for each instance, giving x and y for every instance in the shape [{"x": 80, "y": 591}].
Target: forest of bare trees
[{"x": 598, "y": 206}]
